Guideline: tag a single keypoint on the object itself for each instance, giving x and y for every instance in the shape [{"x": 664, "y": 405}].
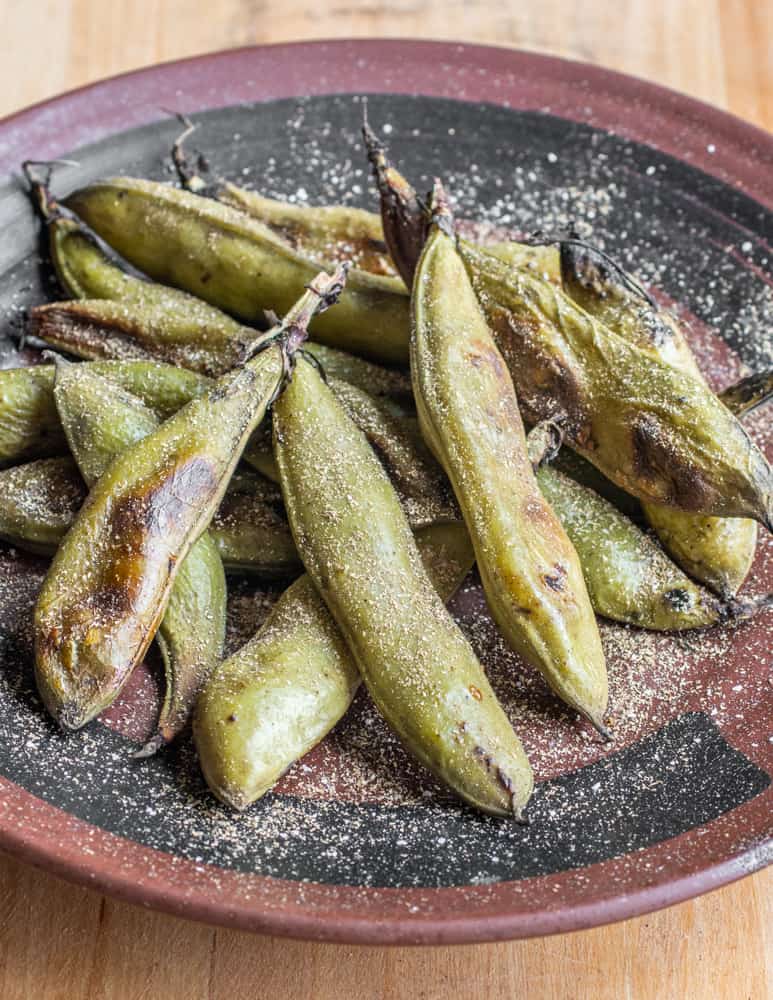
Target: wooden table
[{"x": 60, "y": 941}]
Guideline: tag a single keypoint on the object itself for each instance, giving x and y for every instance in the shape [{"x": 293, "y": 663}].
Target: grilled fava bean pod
[
  {"x": 146, "y": 320},
  {"x": 109, "y": 583},
  {"x": 96, "y": 329},
  {"x": 658, "y": 433},
  {"x": 629, "y": 577},
  {"x": 328, "y": 234},
  {"x": 358, "y": 550},
  {"x": 468, "y": 412},
  {"x": 29, "y": 422},
  {"x": 101, "y": 421},
  {"x": 717, "y": 551},
  {"x": 237, "y": 263},
  {"x": 267, "y": 705},
  {"x": 121, "y": 314},
  {"x": 39, "y": 502}
]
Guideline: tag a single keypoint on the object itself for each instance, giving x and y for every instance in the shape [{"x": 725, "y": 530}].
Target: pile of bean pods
[{"x": 370, "y": 446}]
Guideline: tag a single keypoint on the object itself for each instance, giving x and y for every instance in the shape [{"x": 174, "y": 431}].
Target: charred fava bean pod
[
  {"x": 717, "y": 551},
  {"x": 146, "y": 320},
  {"x": 236, "y": 263},
  {"x": 120, "y": 314},
  {"x": 658, "y": 433},
  {"x": 279, "y": 695},
  {"x": 468, "y": 412},
  {"x": 100, "y": 328},
  {"x": 328, "y": 234},
  {"x": 101, "y": 421},
  {"x": 108, "y": 586},
  {"x": 359, "y": 551},
  {"x": 40, "y": 500},
  {"x": 29, "y": 422}
]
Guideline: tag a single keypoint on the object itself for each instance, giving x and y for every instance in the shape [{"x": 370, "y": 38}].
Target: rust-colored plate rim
[{"x": 720, "y": 144}]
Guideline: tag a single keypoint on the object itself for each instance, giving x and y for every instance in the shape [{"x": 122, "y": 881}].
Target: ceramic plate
[{"x": 356, "y": 844}]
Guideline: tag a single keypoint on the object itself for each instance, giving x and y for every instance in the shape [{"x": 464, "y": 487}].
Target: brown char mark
[
  {"x": 656, "y": 459},
  {"x": 557, "y": 579}
]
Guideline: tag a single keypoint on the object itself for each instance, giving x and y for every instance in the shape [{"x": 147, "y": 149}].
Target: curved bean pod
[
  {"x": 236, "y": 263},
  {"x": 656, "y": 432},
  {"x": 358, "y": 549},
  {"x": 100, "y": 421},
  {"x": 108, "y": 586},
  {"x": 717, "y": 551},
  {"x": 267, "y": 705},
  {"x": 468, "y": 412}
]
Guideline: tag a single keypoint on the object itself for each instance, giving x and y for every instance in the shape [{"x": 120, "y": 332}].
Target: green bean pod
[
  {"x": 358, "y": 550},
  {"x": 108, "y": 586},
  {"x": 658, "y": 433},
  {"x": 629, "y": 577},
  {"x": 717, "y": 551},
  {"x": 236, "y": 263},
  {"x": 38, "y": 503},
  {"x": 118, "y": 314},
  {"x": 468, "y": 411},
  {"x": 267, "y": 705},
  {"x": 29, "y": 422},
  {"x": 101, "y": 421},
  {"x": 147, "y": 320},
  {"x": 40, "y": 500}
]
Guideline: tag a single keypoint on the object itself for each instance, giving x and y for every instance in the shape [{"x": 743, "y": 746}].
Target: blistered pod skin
[
  {"x": 716, "y": 551},
  {"x": 590, "y": 282},
  {"x": 101, "y": 421},
  {"x": 658, "y": 433},
  {"x": 40, "y": 500},
  {"x": 469, "y": 413},
  {"x": 108, "y": 586},
  {"x": 96, "y": 329},
  {"x": 281, "y": 693},
  {"x": 358, "y": 549},
  {"x": 238, "y": 264},
  {"x": 542, "y": 260}
]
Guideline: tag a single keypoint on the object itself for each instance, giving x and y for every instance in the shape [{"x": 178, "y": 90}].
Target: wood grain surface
[{"x": 58, "y": 941}]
